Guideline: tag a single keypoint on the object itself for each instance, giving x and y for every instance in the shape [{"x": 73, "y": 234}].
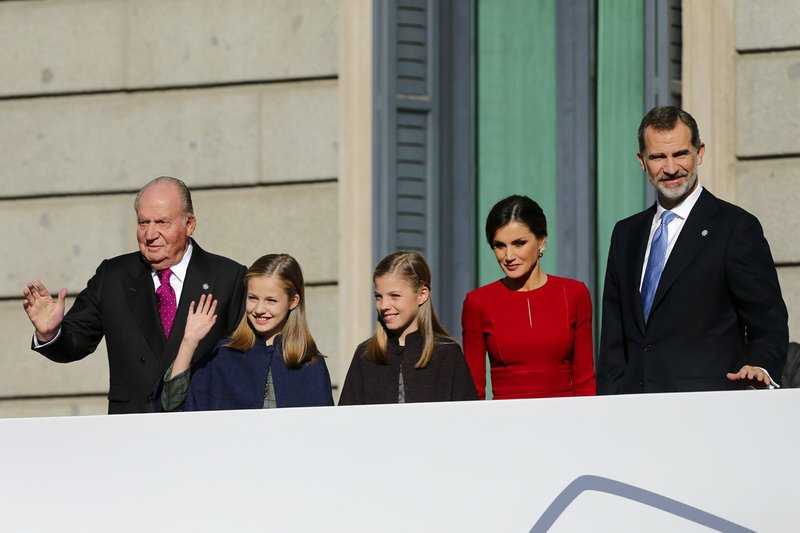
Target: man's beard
[{"x": 675, "y": 193}]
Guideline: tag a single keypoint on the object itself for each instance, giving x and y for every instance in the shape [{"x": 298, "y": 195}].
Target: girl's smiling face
[
  {"x": 397, "y": 303},
  {"x": 268, "y": 305}
]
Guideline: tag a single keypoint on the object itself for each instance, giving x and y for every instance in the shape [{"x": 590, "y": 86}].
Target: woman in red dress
[{"x": 536, "y": 328}]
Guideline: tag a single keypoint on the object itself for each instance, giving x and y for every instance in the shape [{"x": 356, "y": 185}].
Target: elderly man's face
[
  {"x": 163, "y": 229},
  {"x": 671, "y": 162}
]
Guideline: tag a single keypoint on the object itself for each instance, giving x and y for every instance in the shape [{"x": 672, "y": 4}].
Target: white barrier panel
[{"x": 666, "y": 462}]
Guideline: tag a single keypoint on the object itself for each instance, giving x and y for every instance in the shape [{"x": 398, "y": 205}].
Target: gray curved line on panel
[{"x": 646, "y": 497}]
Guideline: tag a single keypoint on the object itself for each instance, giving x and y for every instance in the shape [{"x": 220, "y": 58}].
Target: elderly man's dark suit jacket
[
  {"x": 718, "y": 305},
  {"x": 119, "y": 302}
]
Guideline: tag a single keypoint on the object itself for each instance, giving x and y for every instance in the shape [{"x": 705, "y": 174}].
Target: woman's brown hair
[{"x": 296, "y": 341}]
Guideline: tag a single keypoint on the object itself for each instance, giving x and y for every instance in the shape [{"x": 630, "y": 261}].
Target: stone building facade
[
  {"x": 239, "y": 98},
  {"x": 265, "y": 109}
]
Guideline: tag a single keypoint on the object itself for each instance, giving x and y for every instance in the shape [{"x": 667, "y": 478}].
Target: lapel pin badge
[
  {"x": 205, "y": 286},
  {"x": 704, "y": 233}
]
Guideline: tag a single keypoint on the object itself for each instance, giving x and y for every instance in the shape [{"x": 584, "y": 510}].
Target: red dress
[{"x": 539, "y": 341}]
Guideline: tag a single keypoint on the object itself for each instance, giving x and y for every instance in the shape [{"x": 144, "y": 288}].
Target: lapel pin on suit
[
  {"x": 205, "y": 286},
  {"x": 704, "y": 233}
]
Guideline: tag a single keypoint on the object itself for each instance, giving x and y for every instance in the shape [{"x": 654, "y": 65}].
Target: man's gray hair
[{"x": 183, "y": 190}]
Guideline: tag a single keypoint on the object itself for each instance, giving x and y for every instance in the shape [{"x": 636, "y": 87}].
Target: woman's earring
[{"x": 541, "y": 252}]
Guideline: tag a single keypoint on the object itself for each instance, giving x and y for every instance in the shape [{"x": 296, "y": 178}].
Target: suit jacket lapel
[
  {"x": 689, "y": 243},
  {"x": 199, "y": 280},
  {"x": 638, "y": 246},
  {"x": 140, "y": 291}
]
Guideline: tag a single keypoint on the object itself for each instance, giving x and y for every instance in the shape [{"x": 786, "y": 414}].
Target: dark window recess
[
  {"x": 663, "y": 69},
  {"x": 663, "y": 35}
]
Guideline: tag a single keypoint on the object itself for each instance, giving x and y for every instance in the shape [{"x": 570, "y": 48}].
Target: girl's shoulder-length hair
[
  {"x": 412, "y": 267},
  {"x": 297, "y": 342}
]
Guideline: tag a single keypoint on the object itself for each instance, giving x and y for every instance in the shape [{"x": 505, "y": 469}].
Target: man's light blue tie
[{"x": 655, "y": 263}]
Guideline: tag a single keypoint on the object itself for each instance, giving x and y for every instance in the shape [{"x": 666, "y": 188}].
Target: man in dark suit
[
  {"x": 691, "y": 299},
  {"x": 139, "y": 301}
]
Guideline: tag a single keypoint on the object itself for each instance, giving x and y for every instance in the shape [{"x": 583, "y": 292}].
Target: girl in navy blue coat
[{"x": 270, "y": 360}]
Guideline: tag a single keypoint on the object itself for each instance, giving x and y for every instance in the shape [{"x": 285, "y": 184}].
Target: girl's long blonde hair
[
  {"x": 296, "y": 341},
  {"x": 410, "y": 266}
]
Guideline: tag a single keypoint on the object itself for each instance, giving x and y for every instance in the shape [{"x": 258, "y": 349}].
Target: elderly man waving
[{"x": 139, "y": 301}]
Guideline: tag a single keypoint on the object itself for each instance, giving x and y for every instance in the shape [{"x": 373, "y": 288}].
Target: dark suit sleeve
[
  {"x": 583, "y": 380},
  {"x": 236, "y": 306},
  {"x": 82, "y": 327},
  {"x": 353, "y": 391},
  {"x": 611, "y": 359},
  {"x": 756, "y": 293}
]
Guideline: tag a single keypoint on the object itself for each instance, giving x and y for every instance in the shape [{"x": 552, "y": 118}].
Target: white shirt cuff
[
  {"x": 39, "y": 344},
  {"x": 772, "y": 384}
]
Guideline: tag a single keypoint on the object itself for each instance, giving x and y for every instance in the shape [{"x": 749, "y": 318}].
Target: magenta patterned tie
[{"x": 167, "y": 304}]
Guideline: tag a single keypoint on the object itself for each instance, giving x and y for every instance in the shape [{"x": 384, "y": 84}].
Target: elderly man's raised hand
[{"x": 45, "y": 312}]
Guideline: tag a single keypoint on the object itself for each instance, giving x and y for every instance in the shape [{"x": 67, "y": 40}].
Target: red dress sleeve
[
  {"x": 583, "y": 381},
  {"x": 474, "y": 344}
]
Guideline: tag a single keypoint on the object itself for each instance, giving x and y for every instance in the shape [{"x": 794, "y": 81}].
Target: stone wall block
[
  {"x": 770, "y": 189},
  {"x": 211, "y": 137},
  {"x": 61, "y": 241},
  {"x": 767, "y": 104},
  {"x": 182, "y": 42},
  {"x": 323, "y": 320},
  {"x": 767, "y": 24},
  {"x": 119, "y": 142},
  {"x": 24, "y": 372},
  {"x": 245, "y": 224},
  {"x": 300, "y": 131},
  {"x": 102, "y": 45},
  {"x": 61, "y": 46}
]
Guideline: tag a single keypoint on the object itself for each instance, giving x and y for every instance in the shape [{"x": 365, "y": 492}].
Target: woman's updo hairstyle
[{"x": 516, "y": 208}]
